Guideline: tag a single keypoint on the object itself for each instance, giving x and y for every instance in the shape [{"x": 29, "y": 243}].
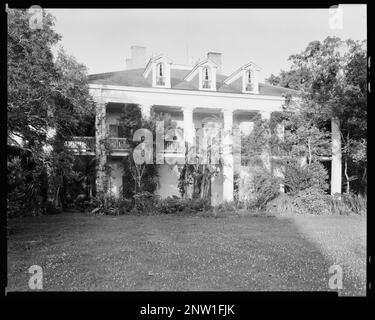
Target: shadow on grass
[{"x": 168, "y": 252}]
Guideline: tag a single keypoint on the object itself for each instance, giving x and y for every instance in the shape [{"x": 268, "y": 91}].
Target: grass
[{"x": 171, "y": 252}]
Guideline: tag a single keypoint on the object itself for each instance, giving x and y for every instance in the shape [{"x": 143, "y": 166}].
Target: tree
[
  {"x": 44, "y": 93},
  {"x": 332, "y": 78},
  {"x": 141, "y": 177}
]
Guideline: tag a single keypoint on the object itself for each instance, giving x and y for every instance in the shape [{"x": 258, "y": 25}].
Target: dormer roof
[
  {"x": 236, "y": 74},
  {"x": 155, "y": 59},
  {"x": 203, "y": 63}
]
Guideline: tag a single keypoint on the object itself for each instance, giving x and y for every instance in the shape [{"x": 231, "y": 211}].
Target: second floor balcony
[{"x": 87, "y": 145}]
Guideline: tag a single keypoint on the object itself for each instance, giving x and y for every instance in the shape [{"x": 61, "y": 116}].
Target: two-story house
[{"x": 192, "y": 95}]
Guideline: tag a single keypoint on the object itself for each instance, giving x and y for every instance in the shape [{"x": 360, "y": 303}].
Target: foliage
[
  {"x": 43, "y": 93},
  {"x": 298, "y": 178},
  {"x": 145, "y": 202},
  {"x": 141, "y": 177},
  {"x": 197, "y": 176},
  {"x": 174, "y": 204},
  {"x": 311, "y": 200},
  {"x": 263, "y": 188},
  {"x": 332, "y": 78},
  {"x": 228, "y": 207},
  {"x": 107, "y": 205},
  {"x": 348, "y": 204},
  {"x": 253, "y": 145}
]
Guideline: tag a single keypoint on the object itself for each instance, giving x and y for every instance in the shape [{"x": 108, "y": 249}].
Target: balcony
[
  {"x": 118, "y": 146},
  {"x": 86, "y": 146},
  {"x": 174, "y": 149},
  {"x": 82, "y": 145}
]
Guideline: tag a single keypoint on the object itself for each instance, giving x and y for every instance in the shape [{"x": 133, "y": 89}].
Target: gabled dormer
[
  {"x": 248, "y": 75},
  {"x": 205, "y": 72},
  {"x": 159, "y": 70}
]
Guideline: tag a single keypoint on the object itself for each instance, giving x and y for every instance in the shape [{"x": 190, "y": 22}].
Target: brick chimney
[
  {"x": 138, "y": 57},
  {"x": 215, "y": 57}
]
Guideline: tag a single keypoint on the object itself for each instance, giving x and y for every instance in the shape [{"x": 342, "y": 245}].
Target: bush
[
  {"x": 281, "y": 205},
  {"x": 348, "y": 204},
  {"x": 175, "y": 204},
  {"x": 228, "y": 206},
  {"x": 299, "y": 178},
  {"x": 103, "y": 205},
  {"x": 311, "y": 200},
  {"x": 265, "y": 187},
  {"x": 145, "y": 202}
]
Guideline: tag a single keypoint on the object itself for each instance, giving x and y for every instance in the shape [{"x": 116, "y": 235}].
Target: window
[
  {"x": 160, "y": 77},
  {"x": 249, "y": 81},
  {"x": 206, "y": 78}
]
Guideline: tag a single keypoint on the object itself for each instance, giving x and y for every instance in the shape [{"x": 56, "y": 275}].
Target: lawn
[{"x": 172, "y": 252}]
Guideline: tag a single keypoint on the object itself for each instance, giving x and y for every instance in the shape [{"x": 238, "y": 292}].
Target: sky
[{"x": 101, "y": 38}]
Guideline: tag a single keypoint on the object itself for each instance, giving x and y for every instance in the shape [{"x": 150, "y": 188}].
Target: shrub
[
  {"x": 311, "y": 200},
  {"x": 227, "y": 206},
  {"x": 347, "y": 204},
  {"x": 145, "y": 202},
  {"x": 308, "y": 201},
  {"x": 175, "y": 204},
  {"x": 265, "y": 187},
  {"x": 282, "y": 205},
  {"x": 298, "y": 178},
  {"x": 103, "y": 205}
]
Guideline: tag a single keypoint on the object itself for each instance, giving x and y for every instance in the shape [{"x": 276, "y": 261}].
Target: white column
[
  {"x": 266, "y": 115},
  {"x": 188, "y": 126},
  {"x": 279, "y": 169},
  {"x": 146, "y": 111},
  {"x": 336, "y": 169},
  {"x": 100, "y": 146},
  {"x": 188, "y": 140},
  {"x": 228, "y": 162}
]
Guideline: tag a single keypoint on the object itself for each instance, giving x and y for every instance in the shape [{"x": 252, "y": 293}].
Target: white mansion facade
[{"x": 192, "y": 95}]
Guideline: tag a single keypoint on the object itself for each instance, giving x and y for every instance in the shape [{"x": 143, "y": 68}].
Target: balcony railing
[
  {"x": 86, "y": 145},
  {"x": 82, "y": 144},
  {"x": 174, "y": 147},
  {"x": 118, "y": 144}
]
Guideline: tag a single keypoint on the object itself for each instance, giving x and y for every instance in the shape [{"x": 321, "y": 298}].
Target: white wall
[
  {"x": 168, "y": 181},
  {"x": 115, "y": 181}
]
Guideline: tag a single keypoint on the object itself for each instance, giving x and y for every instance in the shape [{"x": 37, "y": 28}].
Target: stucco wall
[
  {"x": 168, "y": 181},
  {"x": 115, "y": 181}
]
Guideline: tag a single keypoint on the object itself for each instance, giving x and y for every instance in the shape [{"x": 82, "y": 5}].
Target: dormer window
[
  {"x": 248, "y": 75},
  {"x": 205, "y": 74},
  {"x": 160, "y": 77},
  {"x": 206, "y": 78},
  {"x": 158, "y": 71},
  {"x": 249, "y": 81}
]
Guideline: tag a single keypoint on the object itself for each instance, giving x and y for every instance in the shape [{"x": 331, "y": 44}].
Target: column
[
  {"x": 336, "y": 170},
  {"x": 100, "y": 146},
  {"x": 228, "y": 162},
  {"x": 188, "y": 125},
  {"x": 279, "y": 169},
  {"x": 266, "y": 115},
  {"x": 188, "y": 140},
  {"x": 146, "y": 111}
]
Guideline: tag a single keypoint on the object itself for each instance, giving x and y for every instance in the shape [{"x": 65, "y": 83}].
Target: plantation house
[{"x": 196, "y": 97}]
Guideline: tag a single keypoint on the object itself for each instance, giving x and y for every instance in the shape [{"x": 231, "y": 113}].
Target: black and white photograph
[{"x": 187, "y": 150}]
